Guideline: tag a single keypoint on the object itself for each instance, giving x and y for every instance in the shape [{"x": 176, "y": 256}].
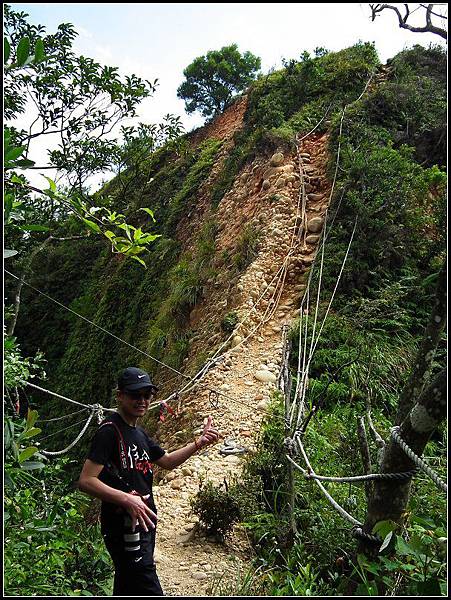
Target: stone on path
[{"x": 265, "y": 376}]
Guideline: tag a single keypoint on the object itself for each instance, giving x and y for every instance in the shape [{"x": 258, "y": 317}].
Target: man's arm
[
  {"x": 173, "y": 459},
  {"x": 90, "y": 483}
]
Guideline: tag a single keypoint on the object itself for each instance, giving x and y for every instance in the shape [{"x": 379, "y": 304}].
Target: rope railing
[
  {"x": 417, "y": 460},
  {"x": 97, "y": 411}
]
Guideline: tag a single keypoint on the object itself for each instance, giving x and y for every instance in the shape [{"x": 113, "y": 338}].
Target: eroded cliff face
[{"x": 282, "y": 199}]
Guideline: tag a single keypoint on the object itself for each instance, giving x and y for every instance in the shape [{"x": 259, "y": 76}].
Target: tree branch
[{"x": 428, "y": 28}]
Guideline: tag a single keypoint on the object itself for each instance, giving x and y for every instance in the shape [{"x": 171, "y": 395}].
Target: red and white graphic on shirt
[{"x": 139, "y": 459}]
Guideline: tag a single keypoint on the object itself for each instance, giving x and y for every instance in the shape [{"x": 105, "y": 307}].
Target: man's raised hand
[{"x": 210, "y": 435}]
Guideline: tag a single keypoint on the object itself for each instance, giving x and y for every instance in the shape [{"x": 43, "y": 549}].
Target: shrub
[
  {"x": 229, "y": 322},
  {"x": 217, "y": 508}
]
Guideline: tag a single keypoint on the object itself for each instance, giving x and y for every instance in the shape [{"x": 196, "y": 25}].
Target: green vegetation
[
  {"x": 49, "y": 549},
  {"x": 212, "y": 79},
  {"x": 392, "y": 180},
  {"x": 246, "y": 247}
]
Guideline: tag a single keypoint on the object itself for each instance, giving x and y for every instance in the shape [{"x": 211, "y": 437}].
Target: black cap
[{"x": 132, "y": 379}]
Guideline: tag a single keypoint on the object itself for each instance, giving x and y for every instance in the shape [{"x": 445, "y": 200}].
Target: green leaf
[
  {"x": 9, "y": 253},
  {"x": 23, "y": 51},
  {"x": 135, "y": 250},
  {"x": 383, "y": 528},
  {"x": 13, "y": 152},
  {"x": 9, "y": 432},
  {"x": 32, "y": 417},
  {"x": 27, "y": 453},
  {"x": 32, "y": 465},
  {"x": 24, "y": 163},
  {"x": 424, "y": 521},
  {"x": 31, "y": 432},
  {"x": 39, "y": 52},
  {"x": 6, "y": 51},
  {"x": 52, "y": 184},
  {"x": 147, "y": 238},
  {"x": 149, "y": 212},
  {"x": 403, "y": 548},
  {"x": 139, "y": 260},
  {"x": 109, "y": 234},
  {"x": 92, "y": 225}
]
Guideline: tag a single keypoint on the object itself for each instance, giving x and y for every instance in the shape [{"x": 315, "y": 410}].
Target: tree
[
  {"x": 429, "y": 12},
  {"x": 422, "y": 408},
  {"x": 79, "y": 102},
  {"x": 211, "y": 80}
]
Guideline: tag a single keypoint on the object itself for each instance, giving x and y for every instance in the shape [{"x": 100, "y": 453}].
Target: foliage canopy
[{"x": 211, "y": 80}]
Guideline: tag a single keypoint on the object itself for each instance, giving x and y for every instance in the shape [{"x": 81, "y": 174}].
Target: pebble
[{"x": 199, "y": 575}]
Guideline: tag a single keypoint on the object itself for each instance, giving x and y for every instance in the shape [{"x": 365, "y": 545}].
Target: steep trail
[{"x": 265, "y": 194}]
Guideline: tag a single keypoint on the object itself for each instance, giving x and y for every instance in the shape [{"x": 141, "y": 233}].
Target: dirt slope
[{"x": 266, "y": 194}]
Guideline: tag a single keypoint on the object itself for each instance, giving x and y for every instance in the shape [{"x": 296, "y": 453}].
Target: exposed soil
[{"x": 266, "y": 196}]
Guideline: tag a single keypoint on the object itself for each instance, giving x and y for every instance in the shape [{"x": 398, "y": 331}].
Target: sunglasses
[{"x": 145, "y": 395}]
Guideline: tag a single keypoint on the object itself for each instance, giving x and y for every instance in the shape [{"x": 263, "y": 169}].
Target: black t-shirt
[{"x": 127, "y": 454}]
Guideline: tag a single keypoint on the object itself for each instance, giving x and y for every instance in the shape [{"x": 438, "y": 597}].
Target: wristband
[{"x": 197, "y": 446}]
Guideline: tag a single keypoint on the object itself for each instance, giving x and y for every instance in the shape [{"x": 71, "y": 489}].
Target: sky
[{"x": 155, "y": 40}]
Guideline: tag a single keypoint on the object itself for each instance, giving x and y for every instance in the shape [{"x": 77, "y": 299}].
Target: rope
[
  {"x": 335, "y": 504},
  {"x": 89, "y": 406},
  {"x": 96, "y": 410},
  {"x": 369, "y": 477},
  {"x": 95, "y": 325},
  {"x": 47, "y": 437},
  {"x": 77, "y": 412},
  {"x": 417, "y": 460}
]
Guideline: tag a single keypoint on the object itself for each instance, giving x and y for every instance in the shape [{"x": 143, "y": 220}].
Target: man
[{"x": 118, "y": 470}]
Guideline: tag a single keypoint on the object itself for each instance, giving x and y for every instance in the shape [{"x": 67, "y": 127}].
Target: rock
[
  {"x": 281, "y": 182},
  {"x": 232, "y": 458},
  {"x": 187, "y": 471},
  {"x": 225, "y": 387},
  {"x": 312, "y": 239},
  {"x": 266, "y": 184},
  {"x": 177, "y": 484},
  {"x": 199, "y": 575},
  {"x": 315, "y": 197},
  {"x": 315, "y": 224},
  {"x": 263, "y": 405},
  {"x": 170, "y": 476},
  {"x": 237, "y": 339},
  {"x": 276, "y": 159},
  {"x": 265, "y": 376}
]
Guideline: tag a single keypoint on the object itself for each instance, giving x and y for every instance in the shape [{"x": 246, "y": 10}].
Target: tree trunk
[{"x": 390, "y": 498}]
